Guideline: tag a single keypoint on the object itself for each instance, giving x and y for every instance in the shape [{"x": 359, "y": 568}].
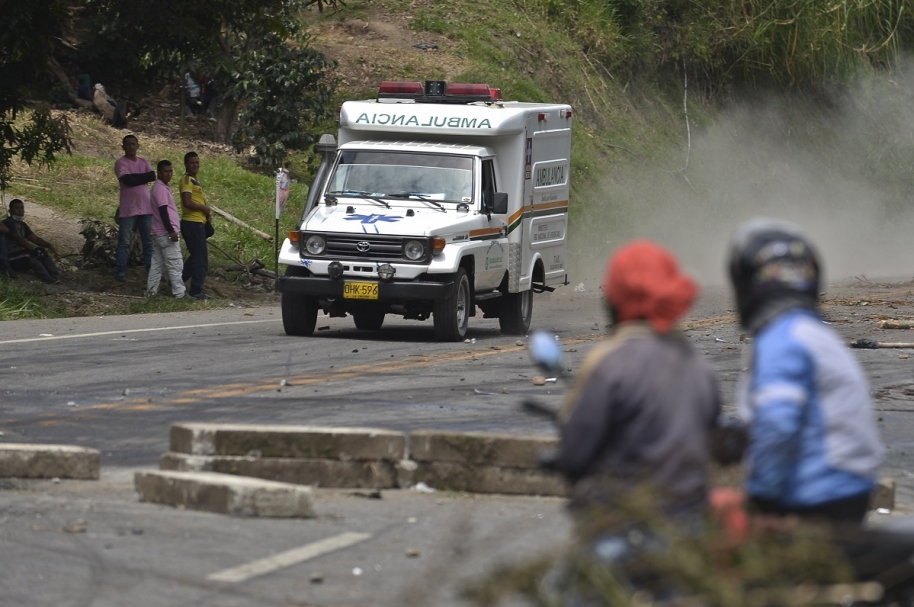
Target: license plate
[{"x": 360, "y": 290}]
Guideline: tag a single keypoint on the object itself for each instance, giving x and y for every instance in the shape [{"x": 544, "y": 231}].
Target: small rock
[
  {"x": 519, "y": 342},
  {"x": 357, "y": 571},
  {"x": 412, "y": 553},
  {"x": 903, "y": 356},
  {"x": 408, "y": 465},
  {"x": 539, "y": 380},
  {"x": 316, "y": 578},
  {"x": 412, "y": 520},
  {"x": 324, "y": 328},
  {"x": 127, "y": 392}
]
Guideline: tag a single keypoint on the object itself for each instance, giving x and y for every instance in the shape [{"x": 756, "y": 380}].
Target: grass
[{"x": 16, "y": 304}]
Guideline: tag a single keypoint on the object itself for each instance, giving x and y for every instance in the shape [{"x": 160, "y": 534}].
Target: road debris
[
  {"x": 539, "y": 380},
  {"x": 357, "y": 571},
  {"x": 519, "y": 342},
  {"x": 316, "y": 578},
  {"x": 372, "y": 495},
  {"x": 483, "y": 392},
  {"x": 872, "y": 344},
  {"x": 892, "y": 323},
  {"x": 422, "y": 488},
  {"x": 579, "y": 288},
  {"x": 412, "y": 553}
]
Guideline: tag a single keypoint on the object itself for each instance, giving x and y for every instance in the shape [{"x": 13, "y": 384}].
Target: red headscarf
[{"x": 643, "y": 282}]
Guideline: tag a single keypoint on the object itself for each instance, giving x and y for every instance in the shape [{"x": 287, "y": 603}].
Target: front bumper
[{"x": 322, "y": 286}]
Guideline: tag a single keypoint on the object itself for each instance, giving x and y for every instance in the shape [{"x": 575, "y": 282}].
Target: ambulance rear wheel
[
  {"x": 368, "y": 321},
  {"x": 450, "y": 315},
  {"x": 299, "y": 314},
  {"x": 516, "y": 312}
]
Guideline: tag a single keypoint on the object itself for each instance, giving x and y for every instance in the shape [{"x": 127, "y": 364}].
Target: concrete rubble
[{"x": 20, "y": 460}]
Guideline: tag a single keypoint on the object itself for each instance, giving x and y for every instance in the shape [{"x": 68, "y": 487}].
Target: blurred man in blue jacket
[{"x": 814, "y": 447}]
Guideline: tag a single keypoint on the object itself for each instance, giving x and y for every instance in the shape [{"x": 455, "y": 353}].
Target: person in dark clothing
[
  {"x": 5, "y": 268},
  {"x": 28, "y": 251},
  {"x": 642, "y": 411}
]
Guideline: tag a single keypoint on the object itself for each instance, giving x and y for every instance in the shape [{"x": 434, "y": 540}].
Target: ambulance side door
[{"x": 491, "y": 259}]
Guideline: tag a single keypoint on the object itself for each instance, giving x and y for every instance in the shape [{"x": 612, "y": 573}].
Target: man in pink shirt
[
  {"x": 166, "y": 248},
  {"x": 133, "y": 173}
]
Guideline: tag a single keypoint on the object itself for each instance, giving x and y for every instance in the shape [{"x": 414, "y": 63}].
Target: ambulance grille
[{"x": 352, "y": 246}]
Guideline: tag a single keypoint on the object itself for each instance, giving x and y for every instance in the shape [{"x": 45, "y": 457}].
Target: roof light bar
[{"x": 438, "y": 91}]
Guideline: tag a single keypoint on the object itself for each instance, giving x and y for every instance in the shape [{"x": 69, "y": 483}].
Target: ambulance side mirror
[{"x": 497, "y": 202}]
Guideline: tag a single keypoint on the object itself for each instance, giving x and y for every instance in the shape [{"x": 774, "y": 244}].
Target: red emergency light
[
  {"x": 464, "y": 90},
  {"x": 400, "y": 90}
]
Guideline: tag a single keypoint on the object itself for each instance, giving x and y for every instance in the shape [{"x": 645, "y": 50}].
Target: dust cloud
[{"x": 840, "y": 166}]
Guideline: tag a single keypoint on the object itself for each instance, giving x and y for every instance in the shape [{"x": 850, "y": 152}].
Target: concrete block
[
  {"x": 48, "y": 461},
  {"x": 451, "y": 476},
  {"x": 317, "y": 472},
  {"x": 479, "y": 448},
  {"x": 224, "y": 494},
  {"x": 883, "y": 495},
  {"x": 313, "y": 442}
]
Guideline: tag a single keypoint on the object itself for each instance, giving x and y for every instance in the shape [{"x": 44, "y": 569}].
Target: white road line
[
  {"x": 124, "y": 331},
  {"x": 289, "y": 558}
]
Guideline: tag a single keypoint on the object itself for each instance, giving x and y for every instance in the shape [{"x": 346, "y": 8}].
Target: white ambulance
[{"x": 437, "y": 200}]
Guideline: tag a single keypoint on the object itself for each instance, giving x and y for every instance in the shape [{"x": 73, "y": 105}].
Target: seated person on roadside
[
  {"x": 813, "y": 443},
  {"x": 643, "y": 408},
  {"x": 166, "y": 246},
  {"x": 28, "y": 251},
  {"x": 5, "y": 268}
]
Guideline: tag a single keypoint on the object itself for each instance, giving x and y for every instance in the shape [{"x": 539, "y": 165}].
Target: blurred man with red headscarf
[{"x": 645, "y": 404}]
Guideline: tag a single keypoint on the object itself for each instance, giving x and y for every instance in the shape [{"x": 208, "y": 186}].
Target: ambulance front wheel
[
  {"x": 516, "y": 312},
  {"x": 299, "y": 314},
  {"x": 450, "y": 315}
]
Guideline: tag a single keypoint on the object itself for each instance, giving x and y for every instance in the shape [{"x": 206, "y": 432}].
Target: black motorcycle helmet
[{"x": 773, "y": 268}]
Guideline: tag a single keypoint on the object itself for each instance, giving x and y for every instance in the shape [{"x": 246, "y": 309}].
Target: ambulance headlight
[
  {"x": 316, "y": 245},
  {"x": 414, "y": 250}
]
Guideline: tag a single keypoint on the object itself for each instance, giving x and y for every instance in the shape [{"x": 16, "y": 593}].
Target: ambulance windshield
[{"x": 403, "y": 174}]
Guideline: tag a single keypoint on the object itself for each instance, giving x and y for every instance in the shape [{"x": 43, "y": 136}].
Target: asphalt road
[{"x": 118, "y": 383}]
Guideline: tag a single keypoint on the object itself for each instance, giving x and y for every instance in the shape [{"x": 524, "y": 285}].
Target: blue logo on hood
[{"x": 373, "y": 218}]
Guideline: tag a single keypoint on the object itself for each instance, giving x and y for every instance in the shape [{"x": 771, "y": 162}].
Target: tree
[
  {"x": 284, "y": 90},
  {"x": 26, "y": 41},
  {"x": 244, "y": 46}
]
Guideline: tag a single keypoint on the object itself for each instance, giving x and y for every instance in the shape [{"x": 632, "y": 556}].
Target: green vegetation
[{"x": 16, "y": 304}]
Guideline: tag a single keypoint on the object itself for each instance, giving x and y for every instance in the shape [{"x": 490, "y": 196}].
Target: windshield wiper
[
  {"x": 361, "y": 194},
  {"x": 417, "y": 197}
]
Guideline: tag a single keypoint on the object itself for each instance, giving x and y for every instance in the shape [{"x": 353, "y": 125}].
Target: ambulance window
[{"x": 438, "y": 177}]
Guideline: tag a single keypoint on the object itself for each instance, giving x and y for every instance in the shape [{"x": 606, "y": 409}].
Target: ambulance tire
[
  {"x": 451, "y": 315},
  {"x": 368, "y": 321},
  {"x": 299, "y": 314},
  {"x": 516, "y": 312}
]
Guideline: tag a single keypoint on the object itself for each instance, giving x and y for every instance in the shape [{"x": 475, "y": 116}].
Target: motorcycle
[{"x": 724, "y": 560}]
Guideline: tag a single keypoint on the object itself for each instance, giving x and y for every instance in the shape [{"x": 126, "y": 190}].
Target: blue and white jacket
[{"x": 813, "y": 433}]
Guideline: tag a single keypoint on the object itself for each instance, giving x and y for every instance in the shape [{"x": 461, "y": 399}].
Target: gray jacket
[{"x": 641, "y": 414}]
